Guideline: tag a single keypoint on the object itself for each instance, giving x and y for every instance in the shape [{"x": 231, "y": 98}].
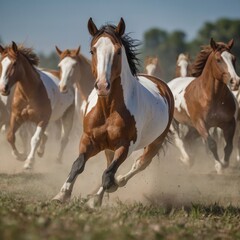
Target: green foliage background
[{"x": 167, "y": 45}]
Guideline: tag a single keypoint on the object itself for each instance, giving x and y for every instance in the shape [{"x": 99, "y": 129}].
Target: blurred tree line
[{"x": 167, "y": 45}]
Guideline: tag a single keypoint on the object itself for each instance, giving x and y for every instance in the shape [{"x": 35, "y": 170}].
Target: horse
[
  {"x": 36, "y": 98},
  {"x": 205, "y": 100},
  {"x": 125, "y": 111},
  {"x": 183, "y": 66},
  {"x": 75, "y": 69},
  {"x": 152, "y": 66}
]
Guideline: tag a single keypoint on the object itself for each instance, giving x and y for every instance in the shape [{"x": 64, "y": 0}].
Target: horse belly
[
  {"x": 151, "y": 127},
  {"x": 61, "y": 105}
]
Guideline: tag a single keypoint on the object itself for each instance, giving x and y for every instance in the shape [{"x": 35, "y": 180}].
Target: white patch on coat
[
  {"x": 5, "y": 65},
  {"x": 67, "y": 67},
  {"x": 59, "y": 101},
  {"x": 92, "y": 101},
  {"x": 227, "y": 57},
  {"x": 105, "y": 53},
  {"x": 178, "y": 87},
  {"x": 144, "y": 102}
]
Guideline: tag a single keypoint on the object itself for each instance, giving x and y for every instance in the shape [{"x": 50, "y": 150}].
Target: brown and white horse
[
  {"x": 36, "y": 99},
  {"x": 152, "y": 67},
  {"x": 75, "y": 69},
  {"x": 124, "y": 113},
  {"x": 205, "y": 100},
  {"x": 183, "y": 66}
]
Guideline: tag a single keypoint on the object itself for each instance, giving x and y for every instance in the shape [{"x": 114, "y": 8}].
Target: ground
[{"x": 165, "y": 201}]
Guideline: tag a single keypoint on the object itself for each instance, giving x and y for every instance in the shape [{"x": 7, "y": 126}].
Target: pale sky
[{"x": 42, "y": 24}]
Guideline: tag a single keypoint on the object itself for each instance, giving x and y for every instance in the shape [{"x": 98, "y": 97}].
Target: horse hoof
[
  {"x": 112, "y": 189},
  {"x": 121, "y": 181},
  {"x": 19, "y": 156},
  {"x": 62, "y": 197},
  {"x": 218, "y": 167},
  {"x": 94, "y": 201},
  {"x": 40, "y": 154}
]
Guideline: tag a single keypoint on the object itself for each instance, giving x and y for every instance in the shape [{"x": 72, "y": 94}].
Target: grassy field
[
  {"x": 166, "y": 201},
  {"x": 30, "y": 215}
]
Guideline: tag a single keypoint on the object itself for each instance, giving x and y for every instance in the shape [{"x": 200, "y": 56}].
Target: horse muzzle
[
  {"x": 4, "y": 90},
  {"x": 234, "y": 83},
  {"x": 102, "y": 87}
]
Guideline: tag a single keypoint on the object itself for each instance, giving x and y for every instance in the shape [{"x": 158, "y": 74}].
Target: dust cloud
[{"x": 165, "y": 181}]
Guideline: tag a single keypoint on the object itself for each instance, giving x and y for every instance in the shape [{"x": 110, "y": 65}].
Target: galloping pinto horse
[
  {"x": 36, "y": 98},
  {"x": 152, "y": 67},
  {"x": 183, "y": 66},
  {"x": 205, "y": 100},
  {"x": 124, "y": 113}
]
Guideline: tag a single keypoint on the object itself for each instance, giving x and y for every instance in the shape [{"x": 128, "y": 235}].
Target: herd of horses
[{"x": 120, "y": 110}]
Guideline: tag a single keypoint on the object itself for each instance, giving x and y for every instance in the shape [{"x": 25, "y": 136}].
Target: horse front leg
[
  {"x": 87, "y": 149},
  {"x": 202, "y": 129},
  {"x": 35, "y": 141},
  {"x": 11, "y": 137},
  {"x": 228, "y": 133},
  {"x": 67, "y": 122},
  {"x": 109, "y": 183}
]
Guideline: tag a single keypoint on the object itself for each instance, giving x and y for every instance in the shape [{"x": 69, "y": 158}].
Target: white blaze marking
[
  {"x": 183, "y": 67},
  {"x": 150, "y": 68},
  {"x": 5, "y": 65},
  {"x": 105, "y": 52},
  {"x": 227, "y": 57},
  {"x": 67, "y": 67}
]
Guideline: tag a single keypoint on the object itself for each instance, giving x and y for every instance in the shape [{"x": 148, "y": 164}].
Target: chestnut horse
[
  {"x": 205, "y": 100},
  {"x": 152, "y": 66},
  {"x": 36, "y": 99},
  {"x": 183, "y": 66},
  {"x": 124, "y": 113}
]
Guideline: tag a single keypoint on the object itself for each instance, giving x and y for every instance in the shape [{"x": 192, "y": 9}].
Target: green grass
[{"x": 30, "y": 215}]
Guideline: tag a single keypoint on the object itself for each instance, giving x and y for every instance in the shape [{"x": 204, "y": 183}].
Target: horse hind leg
[
  {"x": 141, "y": 163},
  {"x": 67, "y": 122},
  {"x": 185, "y": 158}
]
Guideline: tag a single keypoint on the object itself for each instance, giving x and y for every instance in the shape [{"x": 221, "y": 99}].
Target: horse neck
[
  {"x": 128, "y": 81},
  {"x": 209, "y": 83},
  {"x": 28, "y": 81},
  {"x": 84, "y": 78}
]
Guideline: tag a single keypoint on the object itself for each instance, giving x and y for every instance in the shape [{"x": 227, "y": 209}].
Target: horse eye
[{"x": 91, "y": 52}]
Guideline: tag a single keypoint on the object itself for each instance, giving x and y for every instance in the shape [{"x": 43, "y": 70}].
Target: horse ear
[
  {"x": 1, "y": 49},
  {"x": 120, "y": 29},
  {"x": 92, "y": 27},
  {"x": 14, "y": 47},
  {"x": 230, "y": 43},
  {"x": 213, "y": 44},
  {"x": 78, "y": 51},
  {"x": 58, "y": 50}
]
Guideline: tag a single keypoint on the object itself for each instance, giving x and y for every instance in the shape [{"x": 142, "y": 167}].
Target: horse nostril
[
  {"x": 96, "y": 85},
  {"x": 6, "y": 89},
  {"x": 108, "y": 86}
]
